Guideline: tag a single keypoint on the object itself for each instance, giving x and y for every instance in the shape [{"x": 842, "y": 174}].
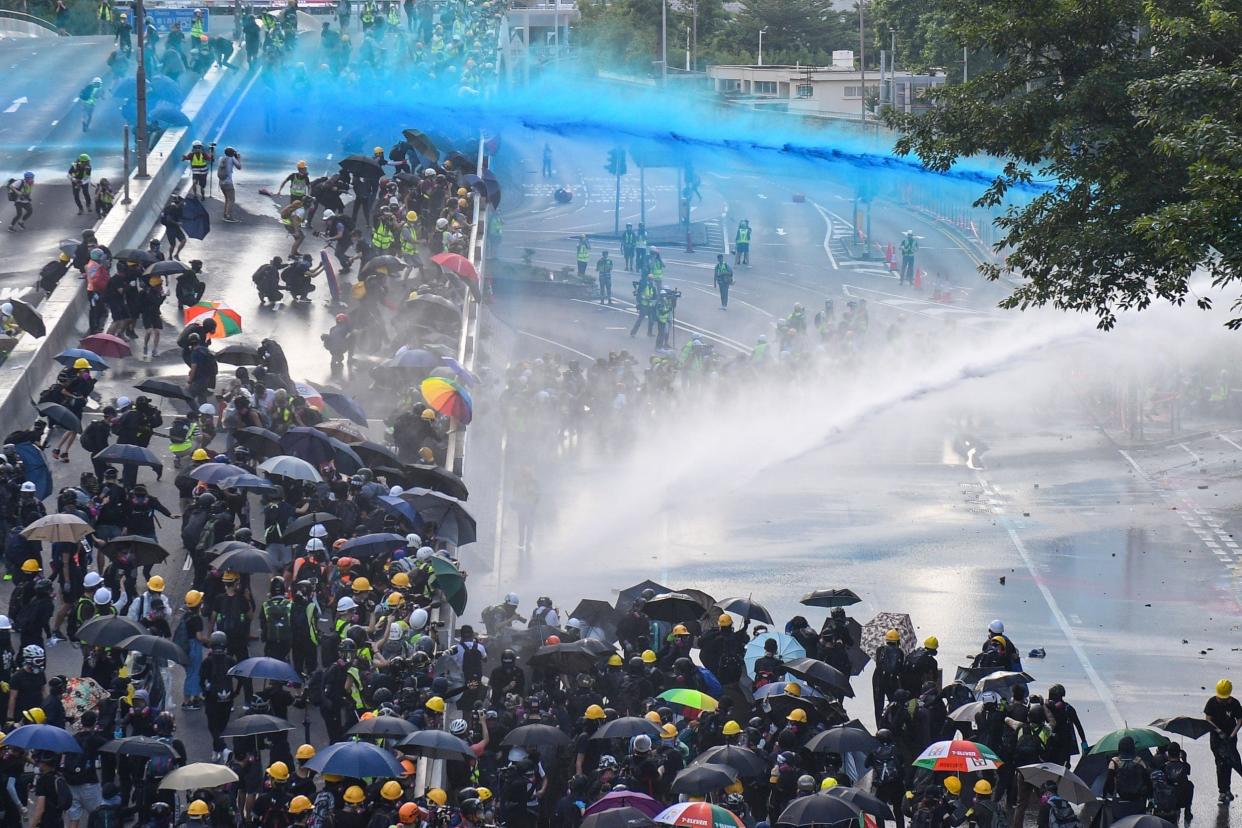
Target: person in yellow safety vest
[
  {"x": 183, "y": 447},
  {"x": 200, "y": 162},
  {"x": 394, "y": 17},
  {"x": 368, "y": 15},
  {"x": 640, "y": 249},
  {"x": 655, "y": 265},
  {"x": 382, "y": 237},
  {"x": 298, "y": 181},
  {"x": 584, "y": 255},
  {"x": 759, "y": 353},
  {"x": 409, "y": 236},
  {"x": 645, "y": 299},
  {"x": 741, "y": 243},
  {"x": 103, "y": 15},
  {"x": 197, "y": 28}
]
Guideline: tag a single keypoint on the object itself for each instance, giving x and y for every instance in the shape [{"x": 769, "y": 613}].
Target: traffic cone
[
  {"x": 889, "y": 253},
  {"x": 918, "y": 278}
]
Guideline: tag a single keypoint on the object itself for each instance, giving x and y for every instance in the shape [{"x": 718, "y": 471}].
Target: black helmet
[
  {"x": 471, "y": 806},
  {"x": 683, "y": 665},
  {"x": 366, "y": 474},
  {"x": 205, "y": 501},
  {"x": 165, "y": 723},
  {"x": 243, "y": 534},
  {"x": 277, "y": 586},
  {"x": 218, "y": 640},
  {"x": 56, "y": 684},
  {"x": 43, "y": 585},
  {"x": 421, "y": 660},
  {"x": 1036, "y": 716},
  {"x": 544, "y": 601},
  {"x": 348, "y": 647},
  {"x": 382, "y": 695},
  {"x": 584, "y": 680},
  {"x": 635, "y": 664},
  {"x": 508, "y": 657},
  {"x": 884, "y": 735}
]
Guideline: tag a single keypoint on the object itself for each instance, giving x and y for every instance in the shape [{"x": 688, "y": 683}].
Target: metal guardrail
[{"x": 12, "y": 14}]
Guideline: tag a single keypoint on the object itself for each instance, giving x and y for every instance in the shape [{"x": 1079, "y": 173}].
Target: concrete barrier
[
  {"x": 15, "y": 25},
  {"x": 32, "y": 360}
]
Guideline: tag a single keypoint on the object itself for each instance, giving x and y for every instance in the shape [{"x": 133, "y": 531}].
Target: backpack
[
  {"x": 1029, "y": 747},
  {"x": 10, "y": 189},
  {"x": 1061, "y": 814},
  {"x": 889, "y": 769},
  {"x": 711, "y": 683},
  {"x": 276, "y": 612},
  {"x": 731, "y": 666},
  {"x": 1177, "y": 773},
  {"x": 105, "y": 816},
  {"x": 1130, "y": 779},
  {"x": 64, "y": 796},
  {"x": 178, "y": 431},
  {"x": 95, "y": 436},
  {"x": 1163, "y": 794},
  {"x": 471, "y": 660},
  {"x": 888, "y": 661},
  {"x": 923, "y": 818},
  {"x": 160, "y": 766},
  {"x": 314, "y": 687},
  {"x": 181, "y": 635}
]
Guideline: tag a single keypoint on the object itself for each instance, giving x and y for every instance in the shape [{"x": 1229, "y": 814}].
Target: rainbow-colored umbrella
[
  {"x": 447, "y": 397},
  {"x": 958, "y": 756},
  {"x": 693, "y": 699},
  {"x": 228, "y": 321},
  {"x": 698, "y": 815}
]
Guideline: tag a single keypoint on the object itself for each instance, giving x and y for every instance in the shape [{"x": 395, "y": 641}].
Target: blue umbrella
[
  {"x": 416, "y": 358},
  {"x": 43, "y": 737},
  {"x": 777, "y": 688},
  {"x": 162, "y": 86},
  {"x": 169, "y": 115},
  {"x": 262, "y": 667},
  {"x": 310, "y": 444},
  {"x": 347, "y": 460},
  {"x": 462, "y": 372},
  {"x": 401, "y": 509},
  {"x": 194, "y": 218},
  {"x": 213, "y": 473},
  {"x": 368, "y": 546},
  {"x": 353, "y": 759},
  {"x": 787, "y": 648},
  {"x": 70, "y": 355},
  {"x": 36, "y": 468},
  {"x": 345, "y": 406}
]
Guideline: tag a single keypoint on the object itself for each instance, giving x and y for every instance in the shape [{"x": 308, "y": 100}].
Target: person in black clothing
[
  {"x": 231, "y": 617},
  {"x": 1128, "y": 780},
  {"x": 190, "y": 287},
  {"x": 219, "y": 689},
  {"x": 191, "y": 335},
  {"x": 203, "y": 369},
  {"x": 135, "y": 427},
  {"x": 50, "y": 274},
  {"x": 171, "y": 218},
  {"x": 34, "y": 622},
  {"x": 507, "y": 678},
  {"x": 1065, "y": 723},
  {"x": 82, "y": 769},
  {"x": 46, "y": 811},
  {"x": 53, "y": 707},
  {"x": 26, "y": 686},
  {"x": 1224, "y": 714}
]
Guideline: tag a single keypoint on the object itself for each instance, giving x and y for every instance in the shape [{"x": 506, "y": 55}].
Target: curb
[{"x": 32, "y": 360}]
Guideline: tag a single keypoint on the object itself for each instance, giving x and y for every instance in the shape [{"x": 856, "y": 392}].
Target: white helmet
[
  {"x": 573, "y": 623},
  {"x": 458, "y": 726},
  {"x": 96, "y": 79},
  {"x": 7, "y": 309},
  {"x": 413, "y": 541},
  {"x": 103, "y": 596},
  {"x": 208, "y": 409},
  {"x": 28, "y": 487},
  {"x": 418, "y": 619},
  {"x": 441, "y": 223},
  {"x": 512, "y": 599},
  {"x": 5, "y": 623},
  {"x": 318, "y": 531},
  {"x": 314, "y": 545},
  {"x": 327, "y": 214},
  {"x": 122, "y": 402},
  {"x": 424, "y": 552},
  {"x": 990, "y": 696},
  {"x": 395, "y": 491},
  {"x": 997, "y": 627},
  {"x": 92, "y": 580},
  {"x": 345, "y": 604},
  {"x": 396, "y": 631},
  {"x": 33, "y": 653}
]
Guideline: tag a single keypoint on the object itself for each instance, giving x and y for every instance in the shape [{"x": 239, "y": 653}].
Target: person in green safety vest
[
  {"x": 664, "y": 318},
  {"x": 584, "y": 255},
  {"x": 367, "y": 17},
  {"x": 655, "y": 265},
  {"x": 759, "y": 354},
  {"x": 298, "y": 181},
  {"x": 797, "y": 319},
  {"x": 382, "y": 237},
  {"x": 741, "y": 243},
  {"x": 80, "y": 180},
  {"x": 200, "y": 160},
  {"x": 723, "y": 277},
  {"x": 645, "y": 300},
  {"x": 409, "y": 238},
  {"x": 909, "y": 245},
  {"x": 604, "y": 268},
  {"x": 640, "y": 249},
  {"x": 198, "y": 26},
  {"x": 89, "y": 96},
  {"x": 103, "y": 16}
]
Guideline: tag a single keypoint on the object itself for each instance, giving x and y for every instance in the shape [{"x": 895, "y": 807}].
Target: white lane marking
[
  {"x": 1230, "y": 442},
  {"x": 17, "y": 104},
  {"x": 557, "y": 344},
  {"x": 1182, "y": 446},
  {"x": 236, "y": 105},
  {"x": 827, "y": 235}
]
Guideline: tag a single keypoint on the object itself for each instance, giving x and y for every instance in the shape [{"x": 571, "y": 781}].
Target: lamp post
[
  {"x": 664, "y": 40},
  {"x": 140, "y": 23},
  {"x": 862, "y": 65},
  {"x": 761, "y": 31}
]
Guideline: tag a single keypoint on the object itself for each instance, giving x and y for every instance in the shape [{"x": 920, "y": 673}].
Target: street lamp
[
  {"x": 664, "y": 40},
  {"x": 761, "y": 31},
  {"x": 140, "y": 78}
]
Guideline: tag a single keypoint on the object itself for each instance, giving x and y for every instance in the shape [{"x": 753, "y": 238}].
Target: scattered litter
[{"x": 1038, "y": 652}]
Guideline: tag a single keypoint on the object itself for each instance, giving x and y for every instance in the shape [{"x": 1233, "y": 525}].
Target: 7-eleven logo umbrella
[{"x": 958, "y": 756}]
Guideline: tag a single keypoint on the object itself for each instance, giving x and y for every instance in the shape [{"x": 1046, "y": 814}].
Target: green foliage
[{"x": 1126, "y": 108}]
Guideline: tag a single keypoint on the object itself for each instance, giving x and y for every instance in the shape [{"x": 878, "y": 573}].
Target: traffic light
[{"x": 616, "y": 161}]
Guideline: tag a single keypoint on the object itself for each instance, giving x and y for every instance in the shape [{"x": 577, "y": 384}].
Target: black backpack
[
  {"x": 95, "y": 436},
  {"x": 314, "y": 687},
  {"x": 177, "y": 432},
  {"x": 888, "y": 660},
  {"x": 1130, "y": 779},
  {"x": 64, "y": 796},
  {"x": 276, "y": 611},
  {"x": 471, "y": 660},
  {"x": 888, "y": 769},
  {"x": 1061, "y": 814},
  {"x": 732, "y": 665},
  {"x": 1163, "y": 794}
]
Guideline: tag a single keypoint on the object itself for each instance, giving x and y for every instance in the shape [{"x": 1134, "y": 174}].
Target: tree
[{"x": 1103, "y": 98}]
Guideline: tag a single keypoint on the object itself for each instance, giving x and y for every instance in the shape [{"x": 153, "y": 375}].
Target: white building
[{"x": 821, "y": 90}]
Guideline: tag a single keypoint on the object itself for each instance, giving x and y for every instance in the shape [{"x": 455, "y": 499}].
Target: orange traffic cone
[
  {"x": 918, "y": 278},
  {"x": 888, "y": 253}
]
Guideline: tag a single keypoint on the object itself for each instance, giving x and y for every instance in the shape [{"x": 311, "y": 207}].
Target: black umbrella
[
  {"x": 1143, "y": 821},
  {"x": 596, "y": 613},
  {"x": 195, "y": 220},
  {"x": 820, "y": 674},
  {"x": 818, "y": 809},
  {"x": 132, "y": 254},
  {"x": 1187, "y": 726},
  {"x": 261, "y": 442},
  {"x": 842, "y": 740},
  {"x": 296, "y": 529},
  {"x": 375, "y": 455},
  {"x": 435, "y": 744},
  {"x": 746, "y": 608},
  {"x": 461, "y": 162},
  {"x": 245, "y": 561},
  {"x": 745, "y": 761},
  {"x": 362, "y": 166},
  {"x": 627, "y": 727},
  {"x": 573, "y": 657},
  {"x": 256, "y": 724},
  {"x": 703, "y": 779},
  {"x": 147, "y": 746},
  {"x": 453, "y": 522},
  {"x": 369, "y": 546},
  {"x": 673, "y": 607},
  {"x": 346, "y": 459},
  {"x": 863, "y": 801},
  {"x": 626, "y": 596},
  {"x": 310, "y": 444},
  {"x": 213, "y": 473},
  {"x": 249, "y": 483},
  {"x": 128, "y": 455},
  {"x": 154, "y": 646},
  {"x": 239, "y": 355},
  {"x": 420, "y": 143},
  {"x": 164, "y": 388},
  {"x": 536, "y": 735},
  {"x": 383, "y": 266},
  {"x": 434, "y": 477},
  {"x": 624, "y": 817},
  {"x": 142, "y": 549},
  {"x": 170, "y": 267},
  {"x": 109, "y": 630},
  {"x": 58, "y": 415},
  {"x": 385, "y": 727},
  {"x": 829, "y": 598},
  {"x": 27, "y": 318}
]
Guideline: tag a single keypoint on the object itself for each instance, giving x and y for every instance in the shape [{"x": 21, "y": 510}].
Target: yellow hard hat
[
  {"x": 983, "y": 787},
  {"x": 1224, "y": 687},
  {"x": 614, "y": 660},
  {"x": 361, "y": 584},
  {"x": 649, "y": 657},
  {"x": 228, "y": 576},
  {"x": 301, "y": 165},
  {"x": 299, "y": 805},
  {"x": 377, "y": 151},
  {"x": 401, "y": 580},
  {"x": 437, "y": 796},
  {"x": 953, "y": 785},
  {"x": 931, "y": 642},
  {"x": 734, "y": 787},
  {"x": 892, "y": 635},
  {"x": 595, "y": 713},
  {"x": 278, "y": 771},
  {"x": 81, "y": 363},
  {"x": 680, "y": 629},
  {"x": 725, "y": 620},
  {"x": 411, "y": 216},
  {"x": 198, "y": 808},
  {"x": 391, "y": 790},
  {"x": 828, "y": 784},
  {"x": 793, "y": 689},
  {"x": 395, "y": 599},
  {"x": 461, "y": 191},
  {"x": 354, "y": 795},
  {"x": 428, "y": 414},
  {"x": 156, "y": 583},
  {"x": 797, "y": 715},
  {"x": 304, "y": 752},
  {"x": 35, "y": 715},
  {"x": 484, "y": 793},
  {"x": 332, "y": 777},
  {"x": 193, "y": 598},
  {"x": 731, "y": 728},
  {"x": 669, "y": 731},
  {"x": 200, "y": 455},
  {"x": 30, "y": 566},
  {"x": 153, "y": 281},
  {"x": 435, "y": 704},
  {"x": 653, "y": 717},
  {"x": 64, "y": 257}
]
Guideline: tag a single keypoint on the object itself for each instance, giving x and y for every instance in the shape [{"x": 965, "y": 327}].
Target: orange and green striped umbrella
[
  {"x": 228, "y": 321},
  {"x": 446, "y": 397}
]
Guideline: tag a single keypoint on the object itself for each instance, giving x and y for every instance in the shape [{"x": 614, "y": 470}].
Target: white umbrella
[{"x": 286, "y": 465}]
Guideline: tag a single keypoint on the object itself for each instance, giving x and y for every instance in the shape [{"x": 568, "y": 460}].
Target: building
[{"x": 829, "y": 91}]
